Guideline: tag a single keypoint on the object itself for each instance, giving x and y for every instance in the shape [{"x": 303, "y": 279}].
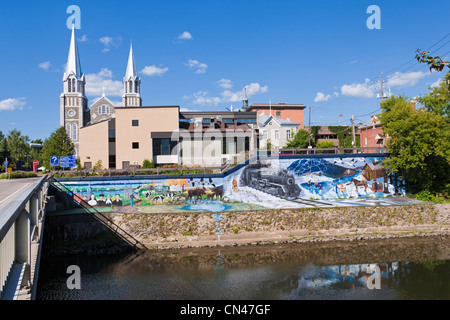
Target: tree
[
  {"x": 438, "y": 99},
  {"x": 4, "y": 153},
  {"x": 58, "y": 144},
  {"x": 18, "y": 146},
  {"x": 300, "y": 140},
  {"x": 419, "y": 144},
  {"x": 435, "y": 63}
]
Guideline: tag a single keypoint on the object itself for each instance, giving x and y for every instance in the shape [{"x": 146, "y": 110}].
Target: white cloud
[
  {"x": 320, "y": 97},
  {"x": 408, "y": 79},
  {"x": 202, "y": 98},
  {"x": 95, "y": 82},
  {"x": 154, "y": 71},
  {"x": 83, "y": 38},
  {"x": 188, "y": 110},
  {"x": 45, "y": 65},
  {"x": 106, "y": 41},
  {"x": 12, "y": 104},
  {"x": 109, "y": 42},
  {"x": 359, "y": 90},
  {"x": 225, "y": 83},
  {"x": 435, "y": 84},
  {"x": 197, "y": 66},
  {"x": 185, "y": 36}
]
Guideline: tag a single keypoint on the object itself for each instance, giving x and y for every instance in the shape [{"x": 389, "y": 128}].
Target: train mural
[{"x": 275, "y": 183}]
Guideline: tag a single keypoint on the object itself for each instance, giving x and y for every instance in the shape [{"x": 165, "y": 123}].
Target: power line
[{"x": 374, "y": 80}]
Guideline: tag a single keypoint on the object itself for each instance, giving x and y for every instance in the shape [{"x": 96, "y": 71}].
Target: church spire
[
  {"x": 131, "y": 67},
  {"x": 245, "y": 101},
  {"x": 73, "y": 61},
  {"x": 132, "y": 84}
]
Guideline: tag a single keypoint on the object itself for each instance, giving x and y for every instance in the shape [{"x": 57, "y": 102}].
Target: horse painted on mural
[{"x": 359, "y": 183}]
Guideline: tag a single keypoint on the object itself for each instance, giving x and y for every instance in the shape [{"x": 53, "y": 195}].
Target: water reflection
[{"x": 408, "y": 269}]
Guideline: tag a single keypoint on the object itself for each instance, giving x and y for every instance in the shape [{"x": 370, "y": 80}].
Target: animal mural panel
[
  {"x": 141, "y": 193},
  {"x": 261, "y": 184}
]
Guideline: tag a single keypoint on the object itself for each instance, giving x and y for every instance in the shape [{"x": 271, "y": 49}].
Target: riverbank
[{"x": 197, "y": 230}]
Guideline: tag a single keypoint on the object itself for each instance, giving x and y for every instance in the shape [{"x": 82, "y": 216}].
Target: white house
[{"x": 277, "y": 130}]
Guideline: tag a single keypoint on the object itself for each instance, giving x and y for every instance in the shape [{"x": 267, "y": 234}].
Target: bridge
[{"x": 22, "y": 212}]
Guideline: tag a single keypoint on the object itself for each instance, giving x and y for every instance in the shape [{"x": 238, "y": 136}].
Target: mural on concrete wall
[{"x": 279, "y": 183}]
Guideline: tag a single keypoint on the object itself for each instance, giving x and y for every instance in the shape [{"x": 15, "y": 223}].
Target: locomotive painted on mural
[{"x": 274, "y": 181}]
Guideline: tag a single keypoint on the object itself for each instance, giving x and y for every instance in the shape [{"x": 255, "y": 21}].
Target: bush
[
  {"x": 147, "y": 164},
  {"x": 18, "y": 175},
  {"x": 426, "y": 195},
  {"x": 325, "y": 144}
]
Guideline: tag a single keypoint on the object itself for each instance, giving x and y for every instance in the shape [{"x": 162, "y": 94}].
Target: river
[{"x": 407, "y": 268}]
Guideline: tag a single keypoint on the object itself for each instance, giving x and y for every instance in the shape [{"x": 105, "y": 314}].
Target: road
[{"x": 9, "y": 189}]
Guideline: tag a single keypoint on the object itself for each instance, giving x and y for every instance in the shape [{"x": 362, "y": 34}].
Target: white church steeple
[
  {"x": 132, "y": 84},
  {"x": 74, "y": 112},
  {"x": 73, "y": 66}
]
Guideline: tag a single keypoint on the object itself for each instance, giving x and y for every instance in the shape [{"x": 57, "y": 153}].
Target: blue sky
[{"x": 201, "y": 54}]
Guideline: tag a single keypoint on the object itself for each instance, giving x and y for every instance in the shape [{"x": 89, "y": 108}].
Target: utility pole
[
  {"x": 353, "y": 134},
  {"x": 382, "y": 94}
]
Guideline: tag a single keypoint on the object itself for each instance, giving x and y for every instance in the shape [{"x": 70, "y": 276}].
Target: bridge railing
[
  {"x": 20, "y": 228},
  {"x": 107, "y": 222}
]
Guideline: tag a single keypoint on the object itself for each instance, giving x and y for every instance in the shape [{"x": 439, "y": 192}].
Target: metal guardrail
[
  {"x": 20, "y": 226},
  {"x": 152, "y": 171},
  {"x": 227, "y": 165}
]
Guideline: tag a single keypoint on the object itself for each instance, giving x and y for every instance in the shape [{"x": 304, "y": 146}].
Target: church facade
[
  {"x": 75, "y": 113},
  {"x": 111, "y": 136}
]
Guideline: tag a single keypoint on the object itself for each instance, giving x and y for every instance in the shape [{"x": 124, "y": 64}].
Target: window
[
  {"x": 277, "y": 134},
  {"x": 288, "y": 134},
  {"x": 75, "y": 132},
  {"x": 69, "y": 85},
  {"x": 163, "y": 147},
  {"x": 135, "y": 145},
  {"x": 135, "y": 123},
  {"x": 130, "y": 89},
  {"x": 73, "y": 85},
  {"x": 68, "y": 129},
  {"x": 265, "y": 134},
  {"x": 249, "y": 120},
  {"x": 278, "y": 113}
]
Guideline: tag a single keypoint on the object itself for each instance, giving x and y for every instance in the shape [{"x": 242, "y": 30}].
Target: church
[
  {"x": 75, "y": 112},
  {"x": 122, "y": 137}
]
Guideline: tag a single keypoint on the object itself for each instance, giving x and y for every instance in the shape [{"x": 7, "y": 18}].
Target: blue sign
[
  {"x": 54, "y": 161},
  {"x": 6, "y": 163},
  {"x": 68, "y": 162}
]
